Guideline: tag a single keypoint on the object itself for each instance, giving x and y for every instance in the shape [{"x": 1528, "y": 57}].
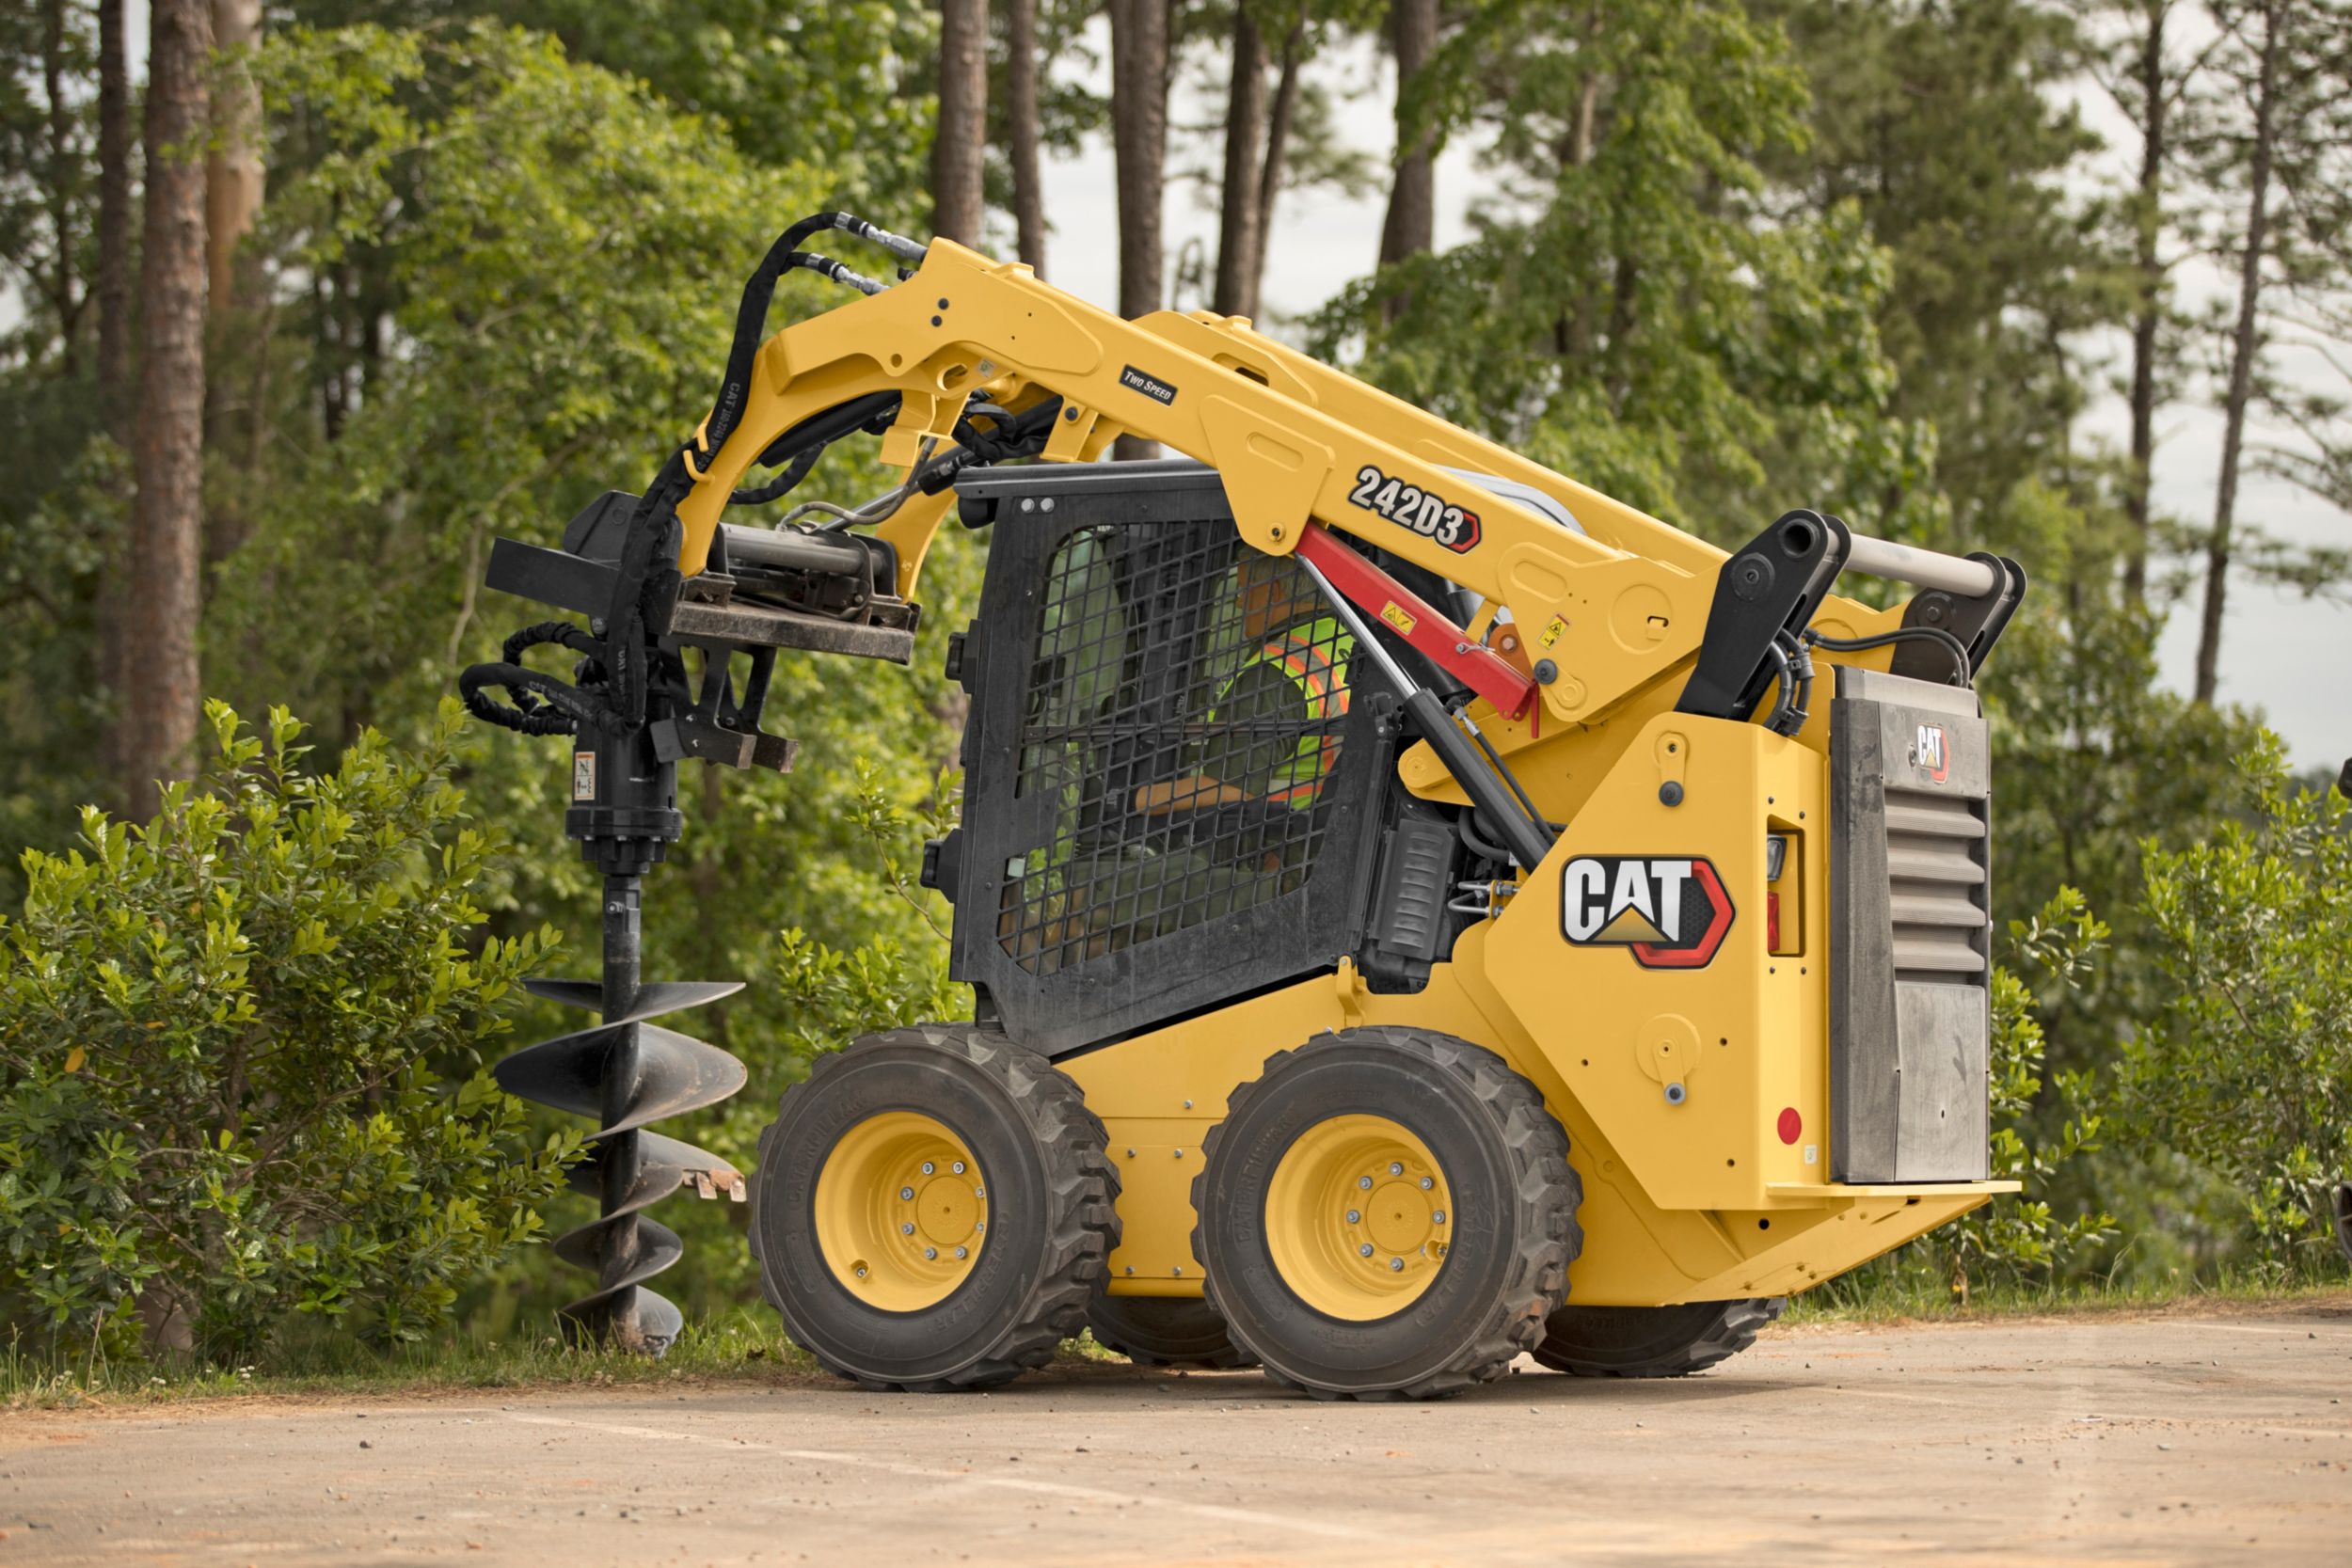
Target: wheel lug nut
[
  {"x": 1354, "y": 1216},
  {"x": 1395, "y": 1168},
  {"x": 906, "y": 1194},
  {"x": 1365, "y": 1183},
  {"x": 861, "y": 1270},
  {"x": 1427, "y": 1182},
  {"x": 930, "y": 1251},
  {"x": 1364, "y": 1251},
  {"x": 1437, "y": 1216},
  {"x": 957, "y": 1167},
  {"x": 907, "y": 1230},
  {"x": 928, "y": 1168},
  {"x": 1396, "y": 1265},
  {"x": 964, "y": 1252}
]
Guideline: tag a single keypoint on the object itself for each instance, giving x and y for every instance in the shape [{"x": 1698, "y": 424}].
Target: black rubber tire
[
  {"x": 1503, "y": 1156},
  {"x": 1165, "y": 1331},
  {"x": 2342, "y": 1205},
  {"x": 1653, "y": 1342},
  {"x": 1051, "y": 1208}
]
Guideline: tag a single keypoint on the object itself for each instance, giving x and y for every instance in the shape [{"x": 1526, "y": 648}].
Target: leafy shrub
[
  {"x": 241, "y": 1057},
  {"x": 2015, "y": 1239},
  {"x": 2248, "y": 1069}
]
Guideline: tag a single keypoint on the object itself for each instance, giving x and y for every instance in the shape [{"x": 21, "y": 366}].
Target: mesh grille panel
[{"x": 1182, "y": 721}]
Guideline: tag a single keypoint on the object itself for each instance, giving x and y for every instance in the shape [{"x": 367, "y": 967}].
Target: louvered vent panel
[{"x": 1936, "y": 887}]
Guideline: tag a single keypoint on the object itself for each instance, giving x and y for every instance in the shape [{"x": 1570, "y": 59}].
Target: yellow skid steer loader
[{"x": 1418, "y": 910}]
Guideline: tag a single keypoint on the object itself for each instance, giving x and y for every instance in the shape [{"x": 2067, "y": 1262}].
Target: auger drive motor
[{"x": 1418, "y": 910}]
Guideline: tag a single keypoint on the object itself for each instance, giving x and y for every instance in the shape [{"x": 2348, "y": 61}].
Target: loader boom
[{"x": 1298, "y": 443}]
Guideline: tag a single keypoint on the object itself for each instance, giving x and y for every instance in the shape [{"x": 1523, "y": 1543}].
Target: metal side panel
[
  {"x": 1910, "y": 932},
  {"x": 1943, "y": 1091}
]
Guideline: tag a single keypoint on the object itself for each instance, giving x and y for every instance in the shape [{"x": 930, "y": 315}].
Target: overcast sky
[{"x": 2290, "y": 656}]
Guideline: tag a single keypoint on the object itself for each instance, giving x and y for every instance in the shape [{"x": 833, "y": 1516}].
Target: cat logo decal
[{"x": 1671, "y": 909}]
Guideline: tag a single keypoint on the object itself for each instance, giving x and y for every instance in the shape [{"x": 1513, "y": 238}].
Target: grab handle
[{"x": 1884, "y": 558}]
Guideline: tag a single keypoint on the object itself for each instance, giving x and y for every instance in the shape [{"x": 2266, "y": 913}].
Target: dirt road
[{"x": 2182, "y": 1439}]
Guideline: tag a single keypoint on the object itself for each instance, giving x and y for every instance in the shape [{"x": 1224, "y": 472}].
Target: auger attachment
[
  {"x": 628, "y": 1073},
  {"x": 635, "y": 709}
]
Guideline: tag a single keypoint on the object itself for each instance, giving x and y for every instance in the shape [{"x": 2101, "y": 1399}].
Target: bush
[
  {"x": 2248, "y": 1069},
  {"x": 241, "y": 1058}
]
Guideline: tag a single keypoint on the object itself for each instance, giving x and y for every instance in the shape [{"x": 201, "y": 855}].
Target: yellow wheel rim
[
  {"x": 902, "y": 1211},
  {"x": 1358, "y": 1217}
]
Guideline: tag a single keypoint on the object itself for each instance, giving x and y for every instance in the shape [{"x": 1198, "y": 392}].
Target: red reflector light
[
  {"x": 1791, "y": 1125},
  {"x": 1771, "y": 922}
]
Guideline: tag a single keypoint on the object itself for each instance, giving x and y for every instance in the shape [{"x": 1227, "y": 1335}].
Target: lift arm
[
  {"x": 1296, "y": 444},
  {"x": 1606, "y": 606}
]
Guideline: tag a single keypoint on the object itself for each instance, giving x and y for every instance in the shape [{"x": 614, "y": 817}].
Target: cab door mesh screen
[{"x": 1184, "y": 713}]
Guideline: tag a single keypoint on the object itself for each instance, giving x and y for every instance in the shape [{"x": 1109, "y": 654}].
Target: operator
[
  {"x": 1230, "y": 831},
  {"x": 1294, "y": 678}
]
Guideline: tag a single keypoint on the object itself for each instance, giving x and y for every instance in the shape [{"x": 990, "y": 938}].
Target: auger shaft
[{"x": 622, "y": 1157}]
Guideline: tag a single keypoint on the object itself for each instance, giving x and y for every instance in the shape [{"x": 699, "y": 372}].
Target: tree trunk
[
  {"x": 1139, "y": 79},
  {"x": 2245, "y": 345},
  {"x": 2148, "y": 313},
  {"x": 963, "y": 133},
  {"x": 1239, "y": 235},
  {"x": 114, "y": 221},
  {"x": 162, "y": 597},
  {"x": 232, "y": 175},
  {"x": 1411, "y": 228},
  {"x": 233, "y": 195},
  {"x": 1021, "y": 88},
  {"x": 1277, "y": 144},
  {"x": 114, "y": 365},
  {"x": 65, "y": 297}
]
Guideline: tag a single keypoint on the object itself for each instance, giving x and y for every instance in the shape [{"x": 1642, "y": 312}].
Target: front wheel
[
  {"x": 1386, "y": 1213},
  {"x": 932, "y": 1210}
]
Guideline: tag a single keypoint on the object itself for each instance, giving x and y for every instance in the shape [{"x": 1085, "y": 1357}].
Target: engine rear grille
[
  {"x": 1909, "y": 931},
  {"x": 1936, "y": 887}
]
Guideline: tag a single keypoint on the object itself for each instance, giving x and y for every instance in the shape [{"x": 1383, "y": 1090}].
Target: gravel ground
[{"x": 2207, "y": 1437}]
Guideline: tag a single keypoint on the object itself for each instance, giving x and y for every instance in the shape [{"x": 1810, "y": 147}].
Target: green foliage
[
  {"x": 2094, "y": 758},
  {"x": 1952, "y": 126},
  {"x": 2249, "y": 1070},
  {"x": 241, "y": 1056},
  {"x": 1640, "y": 313},
  {"x": 2013, "y": 1240},
  {"x": 833, "y": 996},
  {"x": 842, "y": 87}
]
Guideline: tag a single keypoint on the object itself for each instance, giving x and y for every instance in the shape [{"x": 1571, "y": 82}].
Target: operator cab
[{"x": 1180, "y": 773}]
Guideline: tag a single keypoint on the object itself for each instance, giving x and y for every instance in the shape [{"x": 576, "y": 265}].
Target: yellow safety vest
[{"x": 1314, "y": 656}]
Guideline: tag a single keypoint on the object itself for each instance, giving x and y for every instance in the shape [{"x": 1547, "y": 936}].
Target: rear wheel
[
  {"x": 1386, "y": 1213},
  {"x": 1165, "y": 1331},
  {"x": 1653, "y": 1342},
  {"x": 932, "y": 1210}
]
